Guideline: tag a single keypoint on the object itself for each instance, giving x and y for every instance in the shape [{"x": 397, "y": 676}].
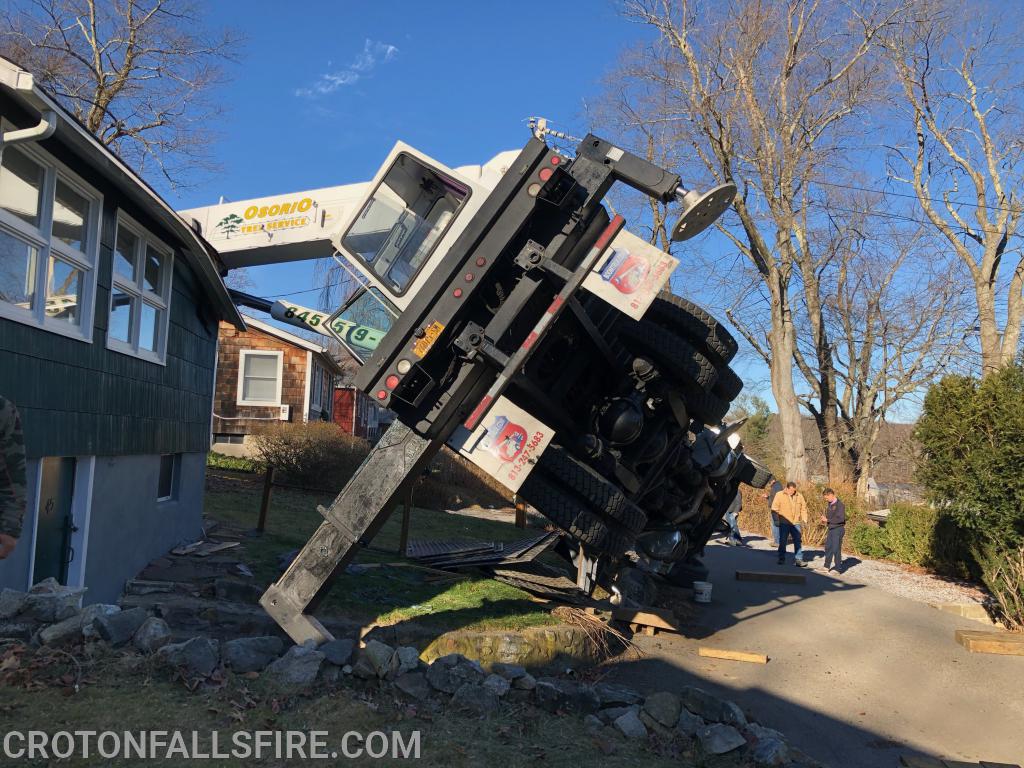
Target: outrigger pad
[{"x": 702, "y": 211}]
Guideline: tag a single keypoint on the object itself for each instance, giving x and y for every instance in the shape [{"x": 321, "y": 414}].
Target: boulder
[
  {"x": 770, "y": 752},
  {"x": 16, "y": 630},
  {"x": 611, "y": 714},
  {"x": 61, "y": 632},
  {"x": 338, "y": 652},
  {"x": 118, "y": 628},
  {"x": 153, "y": 634},
  {"x": 717, "y": 739},
  {"x": 92, "y": 612},
  {"x": 630, "y": 725},
  {"x": 612, "y": 694},
  {"x": 414, "y": 685},
  {"x": 251, "y": 654},
  {"x": 554, "y": 694},
  {"x": 688, "y": 723},
  {"x": 509, "y": 671},
  {"x": 497, "y": 684},
  {"x": 473, "y": 698},
  {"x": 52, "y": 605},
  {"x": 441, "y": 678},
  {"x": 12, "y": 601},
  {"x": 48, "y": 585},
  {"x": 237, "y": 591},
  {"x": 374, "y": 660},
  {"x": 525, "y": 683},
  {"x": 197, "y": 657},
  {"x": 299, "y": 666},
  {"x": 663, "y": 707},
  {"x": 405, "y": 659},
  {"x": 712, "y": 708},
  {"x": 593, "y": 723}
]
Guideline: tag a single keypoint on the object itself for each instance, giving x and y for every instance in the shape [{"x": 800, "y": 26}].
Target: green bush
[
  {"x": 869, "y": 540},
  {"x": 314, "y": 455},
  {"x": 909, "y": 533}
]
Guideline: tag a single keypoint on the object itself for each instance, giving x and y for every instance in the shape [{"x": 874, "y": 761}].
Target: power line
[
  {"x": 296, "y": 293},
  {"x": 899, "y": 216},
  {"x": 911, "y": 196}
]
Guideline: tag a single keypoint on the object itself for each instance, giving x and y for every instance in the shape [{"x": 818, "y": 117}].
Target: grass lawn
[
  {"x": 385, "y": 595},
  {"x": 127, "y": 692}
]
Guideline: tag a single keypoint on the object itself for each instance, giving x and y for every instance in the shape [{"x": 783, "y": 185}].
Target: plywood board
[{"x": 980, "y": 641}]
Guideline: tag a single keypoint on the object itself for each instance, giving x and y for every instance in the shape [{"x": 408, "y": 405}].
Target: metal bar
[{"x": 353, "y": 518}]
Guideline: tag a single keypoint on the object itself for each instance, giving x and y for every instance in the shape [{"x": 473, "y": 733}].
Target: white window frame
[
  {"x": 242, "y": 355},
  {"x": 42, "y": 240},
  {"x": 160, "y": 300}
]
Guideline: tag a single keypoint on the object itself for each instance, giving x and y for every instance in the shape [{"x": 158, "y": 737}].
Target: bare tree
[
  {"x": 763, "y": 93},
  {"x": 136, "y": 73},
  {"x": 964, "y": 103}
]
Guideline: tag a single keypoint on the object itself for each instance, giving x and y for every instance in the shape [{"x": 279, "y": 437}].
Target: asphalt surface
[{"x": 856, "y": 676}]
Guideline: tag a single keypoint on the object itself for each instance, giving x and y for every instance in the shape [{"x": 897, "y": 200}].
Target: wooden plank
[
  {"x": 913, "y": 761},
  {"x": 772, "y": 576},
  {"x": 648, "y": 617},
  {"x": 988, "y": 764},
  {"x": 980, "y": 641},
  {"x": 717, "y": 653}
]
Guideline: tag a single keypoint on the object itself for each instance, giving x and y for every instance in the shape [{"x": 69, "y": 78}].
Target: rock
[
  {"x": 525, "y": 683},
  {"x": 299, "y": 666},
  {"x": 414, "y": 685},
  {"x": 61, "y": 632},
  {"x": 593, "y": 723},
  {"x": 196, "y": 657},
  {"x": 237, "y": 591},
  {"x": 612, "y": 694},
  {"x": 48, "y": 585},
  {"x": 497, "y": 684},
  {"x": 92, "y": 612},
  {"x": 347, "y": 669},
  {"x": 338, "y": 652},
  {"x": 712, "y": 708},
  {"x": 374, "y": 660},
  {"x": 611, "y": 714},
  {"x": 12, "y": 601},
  {"x": 153, "y": 634},
  {"x": 16, "y": 630},
  {"x": 663, "y": 707},
  {"x": 251, "y": 654},
  {"x": 52, "y": 605},
  {"x": 631, "y": 725},
  {"x": 118, "y": 628},
  {"x": 770, "y": 752},
  {"x": 554, "y": 694},
  {"x": 717, "y": 739},
  {"x": 509, "y": 671},
  {"x": 441, "y": 679},
  {"x": 688, "y": 723},
  {"x": 405, "y": 659},
  {"x": 476, "y": 699}
]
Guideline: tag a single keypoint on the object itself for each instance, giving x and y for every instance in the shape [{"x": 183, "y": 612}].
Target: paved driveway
[{"x": 856, "y": 676}]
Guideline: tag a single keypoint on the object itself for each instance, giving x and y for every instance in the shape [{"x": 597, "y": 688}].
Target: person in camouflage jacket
[{"x": 12, "y": 477}]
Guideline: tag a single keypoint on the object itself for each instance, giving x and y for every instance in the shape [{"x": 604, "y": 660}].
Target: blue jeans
[
  {"x": 786, "y": 530},
  {"x": 733, "y": 520},
  {"x": 775, "y": 530}
]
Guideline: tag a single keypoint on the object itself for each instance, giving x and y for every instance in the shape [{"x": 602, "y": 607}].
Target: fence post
[
  {"x": 268, "y": 485},
  {"x": 520, "y": 512}
]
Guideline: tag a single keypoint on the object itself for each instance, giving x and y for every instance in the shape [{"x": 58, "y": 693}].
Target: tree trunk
[{"x": 783, "y": 342}]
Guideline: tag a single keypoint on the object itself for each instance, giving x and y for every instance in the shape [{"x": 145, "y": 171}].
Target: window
[
  {"x": 49, "y": 239},
  {"x": 170, "y": 466},
  {"x": 316, "y": 386},
  {"x": 259, "y": 377},
  {"x": 140, "y": 293},
  {"x": 223, "y": 437}
]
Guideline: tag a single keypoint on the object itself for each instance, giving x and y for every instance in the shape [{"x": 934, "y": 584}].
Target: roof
[
  {"x": 292, "y": 339},
  {"x": 198, "y": 253}
]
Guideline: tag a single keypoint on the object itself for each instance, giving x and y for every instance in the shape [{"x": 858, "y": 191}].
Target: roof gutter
[{"x": 103, "y": 160}]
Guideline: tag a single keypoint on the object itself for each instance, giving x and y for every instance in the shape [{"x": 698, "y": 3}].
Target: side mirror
[{"x": 701, "y": 211}]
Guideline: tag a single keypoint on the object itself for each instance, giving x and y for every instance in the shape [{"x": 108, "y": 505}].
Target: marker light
[
  {"x": 391, "y": 381},
  {"x": 403, "y": 366},
  {"x": 381, "y": 394},
  {"x": 545, "y": 174}
]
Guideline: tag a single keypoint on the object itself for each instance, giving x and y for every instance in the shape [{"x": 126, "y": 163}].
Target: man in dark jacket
[{"x": 835, "y": 519}]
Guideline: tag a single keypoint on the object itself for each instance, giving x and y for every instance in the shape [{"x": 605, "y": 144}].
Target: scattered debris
[
  {"x": 204, "y": 548},
  {"x": 463, "y": 553},
  {"x": 716, "y": 653}
]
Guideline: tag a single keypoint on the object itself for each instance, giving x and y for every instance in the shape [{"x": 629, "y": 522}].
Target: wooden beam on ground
[
  {"x": 781, "y": 578},
  {"x": 981, "y": 641},
  {"x": 716, "y": 653},
  {"x": 913, "y": 761},
  {"x": 648, "y": 617}
]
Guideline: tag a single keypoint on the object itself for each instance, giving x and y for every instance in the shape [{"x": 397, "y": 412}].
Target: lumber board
[
  {"x": 648, "y": 617},
  {"x": 718, "y": 653},
  {"x": 987, "y": 764},
  {"x": 913, "y": 761},
  {"x": 999, "y": 642},
  {"x": 772, "y": 576}
]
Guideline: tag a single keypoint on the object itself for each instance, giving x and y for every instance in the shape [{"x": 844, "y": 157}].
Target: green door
[{"x": 53, "y": 531}]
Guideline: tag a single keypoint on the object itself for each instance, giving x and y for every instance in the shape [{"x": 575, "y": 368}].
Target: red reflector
[
  {"x": 545, "y": 174},
  {"x": 391, "y": 381},
  {"x": 555, "y": 159},
  {"x": 457, "y": 293},
  {"x": 481, "y": 261},
  {"x": 530, "y": 340},
  {"x": 469, "y": 277},
  {"x": 381, "y": 394}
]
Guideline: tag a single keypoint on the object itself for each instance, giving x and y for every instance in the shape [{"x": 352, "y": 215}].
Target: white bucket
[{"x": 702, "y": 591}]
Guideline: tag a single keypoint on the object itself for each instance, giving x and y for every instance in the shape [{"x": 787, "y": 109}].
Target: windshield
[
  {"x": 402, "y": 221},
  {"x": 363, "y": 322}
]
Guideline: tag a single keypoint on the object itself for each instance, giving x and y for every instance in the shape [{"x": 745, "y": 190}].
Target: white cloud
[{"x": 374, "y": 52}]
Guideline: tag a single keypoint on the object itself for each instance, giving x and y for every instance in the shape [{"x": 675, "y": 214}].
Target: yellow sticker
[{"x": 422, "y": 346}]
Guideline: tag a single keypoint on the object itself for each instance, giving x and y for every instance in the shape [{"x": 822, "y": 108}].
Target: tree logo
[{"x": 229, "y": 224}]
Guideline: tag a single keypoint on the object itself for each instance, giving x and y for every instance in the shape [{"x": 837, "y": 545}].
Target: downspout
[{"x": 44, "y": 130}]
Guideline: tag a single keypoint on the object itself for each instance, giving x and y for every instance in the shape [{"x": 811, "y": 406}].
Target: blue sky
[{"x": 324, "y": 89}]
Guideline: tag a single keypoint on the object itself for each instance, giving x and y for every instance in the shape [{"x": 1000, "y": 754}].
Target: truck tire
[
  {"x": 600, "y": 494},
  {"x": 571, "y": 515},
  {"x": 695, "y": 324},
  {"x": 729, "y": 385},
  {"x": 753, "y": 472},
  {"x": 681, "y": 360}
]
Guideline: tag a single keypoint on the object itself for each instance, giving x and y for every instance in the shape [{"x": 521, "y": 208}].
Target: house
[
  {"x": 109, "y": 310},
  {"x": 359, "y": 415},
  {"x": 264, "y": 375}
]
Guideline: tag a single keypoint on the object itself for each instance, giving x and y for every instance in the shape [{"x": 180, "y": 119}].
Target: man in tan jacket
[{"x": 791, "y": 508}]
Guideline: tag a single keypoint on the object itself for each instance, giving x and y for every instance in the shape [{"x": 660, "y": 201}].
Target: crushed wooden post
[
  {"x": 716, "y": 653},
  {"x": 268, "y": 485},
  {"x": 520, "y": 511},
  {"x": 771, "y": 576},
  {"x": 648, "y": 617},
  {"x": 980, "y": 641}
]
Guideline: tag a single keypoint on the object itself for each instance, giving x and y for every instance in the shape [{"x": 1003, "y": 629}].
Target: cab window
[{"x": 403, "y": 220}]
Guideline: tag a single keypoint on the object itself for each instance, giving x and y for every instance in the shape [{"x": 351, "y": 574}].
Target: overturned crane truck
[{"x": 522, "y": 326}]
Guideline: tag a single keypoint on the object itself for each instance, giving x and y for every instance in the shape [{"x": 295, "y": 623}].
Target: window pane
[
  {"x": 124, "y": 253},
  {"x": 121, "y": 316},
  {"x": 21, "y": 185},
  {"x": 63, "y": 291},
  {"x": 264, "y": 366},
  {"x": 154, "y": 263},
  {"x": 17, "y": 270},
  {"x": 70, "y": 214},
  {"x": 148, "y": 327},
  {"x": 260, "y": 389}
]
